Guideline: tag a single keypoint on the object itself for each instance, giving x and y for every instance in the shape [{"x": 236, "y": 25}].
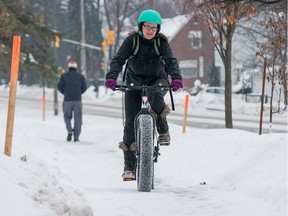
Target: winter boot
[
  {"x": 162, "y": 125},
  {"x": 130, "y": 161},
  {"x": 69, "y": 137},
  {"x": 164, "y": 139},
  {"x": 128, "y": 176}
]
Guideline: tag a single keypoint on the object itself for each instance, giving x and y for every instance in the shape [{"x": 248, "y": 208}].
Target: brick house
[{"x": 192, "y": 46}]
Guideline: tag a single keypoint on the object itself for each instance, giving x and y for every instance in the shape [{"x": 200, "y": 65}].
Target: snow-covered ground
[{"x": 205, "y": 172}]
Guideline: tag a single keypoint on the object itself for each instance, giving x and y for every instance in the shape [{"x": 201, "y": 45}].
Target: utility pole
[
  {"x": 83, "y": 41},
  {"x": 151, "y": 4},
  {"x": 55, "y": 54},
  {"x": 43, "y": 100}
]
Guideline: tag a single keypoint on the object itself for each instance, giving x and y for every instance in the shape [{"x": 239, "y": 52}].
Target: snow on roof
[{"x": 171, "y": 26}]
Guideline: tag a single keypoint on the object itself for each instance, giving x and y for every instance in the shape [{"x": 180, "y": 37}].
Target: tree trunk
[{"x": 228, "y": 84}]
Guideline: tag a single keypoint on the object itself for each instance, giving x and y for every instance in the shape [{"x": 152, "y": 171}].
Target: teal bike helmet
[{"x": 150, "y": 16}]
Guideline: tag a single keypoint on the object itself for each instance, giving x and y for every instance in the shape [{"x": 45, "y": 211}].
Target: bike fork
[{"x": 156, "y": 153}]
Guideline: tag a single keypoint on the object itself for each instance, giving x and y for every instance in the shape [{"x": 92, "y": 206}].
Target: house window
[
  {"x": 196, "y": 39},
  {"x": 201, "y": 66},
  {"x": 189, "y": 72},
  {"x": 195, "y": 20},
  {"x": 189, "y": 68}
]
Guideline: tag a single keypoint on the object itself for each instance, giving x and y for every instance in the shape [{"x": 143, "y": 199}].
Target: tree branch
[{"x": 260, "y": 1}]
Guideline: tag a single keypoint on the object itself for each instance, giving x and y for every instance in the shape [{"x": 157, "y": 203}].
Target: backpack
[
  {"x": 135, "y": 50},
  {"x": 136, "y": 46}
]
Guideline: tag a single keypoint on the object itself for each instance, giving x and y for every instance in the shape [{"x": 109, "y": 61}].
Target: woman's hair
[
  {"x": 132, "y": 33},
  {"x": 160, "y": 35}
]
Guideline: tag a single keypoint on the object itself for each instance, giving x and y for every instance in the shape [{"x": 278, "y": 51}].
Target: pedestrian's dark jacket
[
  {"x": 146, "y": 66},
  {"x": 72, "y": 85}
]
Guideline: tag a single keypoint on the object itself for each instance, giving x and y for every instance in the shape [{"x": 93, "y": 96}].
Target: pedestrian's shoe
[
  {"x": 76, "y": 140},
  {"x": 69, "y": 137},
  {"x": 164, "y": 139},
  {"x": 129, "y": 175}
]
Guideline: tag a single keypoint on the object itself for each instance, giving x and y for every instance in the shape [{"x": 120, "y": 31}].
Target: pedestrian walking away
[
  {"x": 149, "y": 62},
  {"x": 72, "y": 85}
]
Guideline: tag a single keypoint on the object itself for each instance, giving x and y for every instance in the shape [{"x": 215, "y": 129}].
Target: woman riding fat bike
[{"x": 149, "y": 62}]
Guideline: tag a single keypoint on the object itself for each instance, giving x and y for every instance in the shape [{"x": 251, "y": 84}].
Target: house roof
[{"x": 171, "y": 26}]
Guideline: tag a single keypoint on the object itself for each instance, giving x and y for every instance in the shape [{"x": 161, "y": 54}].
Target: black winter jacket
[
  {"x": 72, "y": 85},
  {"x": 146, "y": 66}
]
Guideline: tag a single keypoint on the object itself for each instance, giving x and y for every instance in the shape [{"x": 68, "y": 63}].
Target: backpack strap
[
  {"x": 135, "y": 49},
  {"x": 157, "y": 45},
  {"x": 135, "y": 46}
]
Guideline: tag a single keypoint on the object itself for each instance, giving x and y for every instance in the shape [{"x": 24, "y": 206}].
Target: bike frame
[
  {"x": 145, "y": 106},
  {"x": 146, "y": 151}
]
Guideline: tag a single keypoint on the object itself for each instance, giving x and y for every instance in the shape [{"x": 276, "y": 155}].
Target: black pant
[{"x": 133, "y": 106}]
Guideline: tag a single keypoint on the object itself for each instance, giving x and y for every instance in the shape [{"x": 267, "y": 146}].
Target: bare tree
[
  {"x": 220, "y": 20},
  {"x": 275, "y": 51},
  {"x": 258, "y": 1},
  {"x": 221, "y": 17},
  {"x": 268, "y": 30},
  {"x": 116, "y": 12}
]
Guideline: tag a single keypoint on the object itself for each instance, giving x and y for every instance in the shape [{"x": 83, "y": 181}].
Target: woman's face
[{"x": 149, "y": 30}]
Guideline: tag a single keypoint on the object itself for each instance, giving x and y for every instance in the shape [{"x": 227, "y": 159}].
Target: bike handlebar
[
  {"x": 144, "y": 89},
  {"x": 121, "y": 87}
]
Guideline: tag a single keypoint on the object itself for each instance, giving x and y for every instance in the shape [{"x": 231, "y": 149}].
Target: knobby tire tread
[{"x": 145, "y": 153}]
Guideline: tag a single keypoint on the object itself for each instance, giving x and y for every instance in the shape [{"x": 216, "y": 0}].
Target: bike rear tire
[{"x": 145, "y": 148}]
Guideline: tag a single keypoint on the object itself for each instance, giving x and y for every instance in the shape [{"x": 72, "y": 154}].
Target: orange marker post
[
  {"x": 43, "y": 102},
  {"x": 12, "y": 93},
  {"x": 185, "y": 113}
]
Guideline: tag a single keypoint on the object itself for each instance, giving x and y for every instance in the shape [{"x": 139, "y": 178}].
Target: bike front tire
[{"x": 145, "y": 147}]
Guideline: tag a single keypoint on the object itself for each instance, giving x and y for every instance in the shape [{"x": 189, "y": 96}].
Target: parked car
[
  {"x": 256, "y": 98},
  {"x": 211, "y": 89},
  {"x": 215, "y": 90}
]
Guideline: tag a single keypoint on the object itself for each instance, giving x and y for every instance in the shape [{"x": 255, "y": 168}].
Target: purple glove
[
  {"x": 111, "y": 83},
  {"x": 176, "y": 84}
]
